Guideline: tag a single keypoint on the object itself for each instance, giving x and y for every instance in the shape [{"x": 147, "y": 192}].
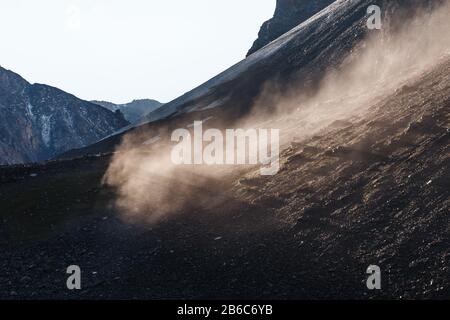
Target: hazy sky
[{"x": 119, "y": 50}]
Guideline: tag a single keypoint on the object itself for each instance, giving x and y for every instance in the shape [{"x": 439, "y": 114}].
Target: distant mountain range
[
  {"x": 364, "y": 180},
  {"x": 39, "y": 122},
  {"x": 288, "y": 14},
  {"x": 134, "y": 110}
]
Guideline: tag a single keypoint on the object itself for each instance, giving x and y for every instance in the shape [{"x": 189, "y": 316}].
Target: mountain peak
[{"x": 134, "y": 110}]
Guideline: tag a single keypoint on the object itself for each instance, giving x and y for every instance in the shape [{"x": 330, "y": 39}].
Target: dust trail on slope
[
  {"x": 150, "y": 188},
  {"x": 380, "y": 65}
]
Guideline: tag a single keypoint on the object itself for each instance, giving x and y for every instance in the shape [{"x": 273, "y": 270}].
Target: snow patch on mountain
[
  {"x": 30, "y": 109},
  {"x": 46, "y": 129}
]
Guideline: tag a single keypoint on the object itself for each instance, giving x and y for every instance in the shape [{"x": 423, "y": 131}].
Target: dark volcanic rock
[
  {"x": 132, "y": 111},
  {"x": 288, "y": 14},
  {"x": 38, "y": 121}
]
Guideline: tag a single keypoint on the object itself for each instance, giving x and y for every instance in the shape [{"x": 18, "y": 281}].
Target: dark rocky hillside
[
  {"x": 302, "y": 56},
  {"x": 288, "y": 14},
  {"x": 373, "y": 190}
]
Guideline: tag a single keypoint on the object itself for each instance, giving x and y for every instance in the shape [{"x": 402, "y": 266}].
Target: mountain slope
[
  {"x": 372, "y": 190},
  {"x": 132, "y": 111},
  {"x": 303, "y": 56},
  {"x": 38, "y": 121}
]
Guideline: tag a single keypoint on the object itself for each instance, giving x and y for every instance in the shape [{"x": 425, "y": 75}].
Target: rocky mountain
[
  {"x": 288, "y": 14},
  {"x": 38, "y": 121},
  {"x": 364, "y": 180},
  {"x": 132, "y": 111}
]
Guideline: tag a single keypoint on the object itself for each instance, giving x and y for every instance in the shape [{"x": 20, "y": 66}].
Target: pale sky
[{"x": 120, "y": 50}]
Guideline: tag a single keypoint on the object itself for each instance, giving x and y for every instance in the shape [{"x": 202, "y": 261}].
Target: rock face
[
  {"x": 134, "y": 110},
  {"x": 38, "y": 121},
  {"x": 288, "y": 14}
]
